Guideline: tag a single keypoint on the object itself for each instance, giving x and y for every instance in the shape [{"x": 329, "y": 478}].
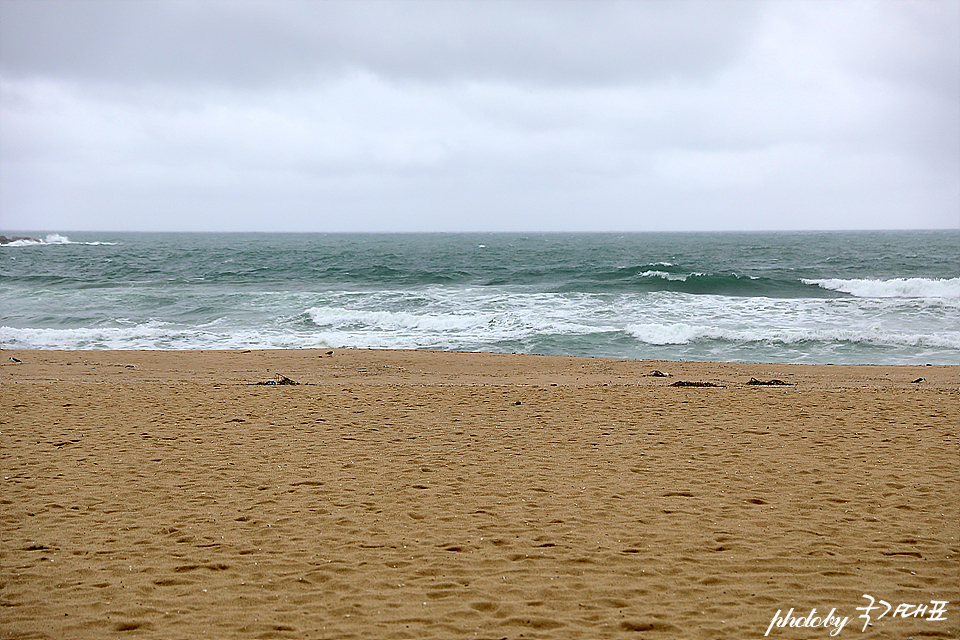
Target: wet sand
[{"x": 414, "y": 494}]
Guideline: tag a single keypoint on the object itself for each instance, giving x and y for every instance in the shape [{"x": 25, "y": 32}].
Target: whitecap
[{"x": 665, "y": 275}]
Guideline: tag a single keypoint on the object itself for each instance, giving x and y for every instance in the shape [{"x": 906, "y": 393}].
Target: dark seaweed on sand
[
  {"x": 279, "y": 379},
  {"x": 768, "y": 382},
  {"x": 684, "y": 383}
]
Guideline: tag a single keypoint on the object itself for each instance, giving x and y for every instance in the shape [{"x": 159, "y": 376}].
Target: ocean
[{"x": 890, "y": 297}]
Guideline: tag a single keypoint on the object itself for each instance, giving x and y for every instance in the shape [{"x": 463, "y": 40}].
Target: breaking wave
[
  {"x": 893, "y": 288},
  {"x": 50, "y": 238}
]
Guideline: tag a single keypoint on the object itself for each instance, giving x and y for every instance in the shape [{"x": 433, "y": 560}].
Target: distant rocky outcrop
[{"x": 6, "y": 240}]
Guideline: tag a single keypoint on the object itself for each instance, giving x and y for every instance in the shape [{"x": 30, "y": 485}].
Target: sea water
[{"x": 808, "y": 297}]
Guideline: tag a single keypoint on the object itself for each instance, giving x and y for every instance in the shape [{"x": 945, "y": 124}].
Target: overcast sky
[{"x": 479, "y": 116}]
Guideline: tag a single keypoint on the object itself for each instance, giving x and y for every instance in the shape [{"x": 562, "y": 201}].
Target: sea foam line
[{"x": 680, "y": 333}]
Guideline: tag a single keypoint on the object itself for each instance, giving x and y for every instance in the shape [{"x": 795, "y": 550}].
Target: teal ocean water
[{"x": 839, "y": 297}]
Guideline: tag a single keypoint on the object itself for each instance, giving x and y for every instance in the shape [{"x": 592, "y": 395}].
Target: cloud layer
[{"x": 413, "y": 116}]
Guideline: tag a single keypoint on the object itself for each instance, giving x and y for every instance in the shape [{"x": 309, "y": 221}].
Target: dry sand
[{"x": 399, "y": 494}]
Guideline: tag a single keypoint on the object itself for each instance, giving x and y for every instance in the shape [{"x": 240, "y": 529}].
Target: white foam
[
  {"x": 336, "y": 318},
  {"x": 156, "y": 335},
  {"x": 511, "y": 318},
  {"x": 893, "y": 288},
  {"x": 451, "y": 320},
  {"x": 141, "y": 336},
  {"x": 52, "y": 239}
]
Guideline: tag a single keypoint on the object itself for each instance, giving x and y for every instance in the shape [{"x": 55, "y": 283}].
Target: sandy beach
[{"x": 416, "y": 494}]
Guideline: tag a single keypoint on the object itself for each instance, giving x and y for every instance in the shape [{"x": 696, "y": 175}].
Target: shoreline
[
  {"x": 426, "y": 494},
  {"x": 315, "y": 364}
]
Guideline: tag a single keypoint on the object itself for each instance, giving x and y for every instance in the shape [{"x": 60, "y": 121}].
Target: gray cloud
[
  {"x": 253, "y": 42},
  {"x": 478, "y": 115}
]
